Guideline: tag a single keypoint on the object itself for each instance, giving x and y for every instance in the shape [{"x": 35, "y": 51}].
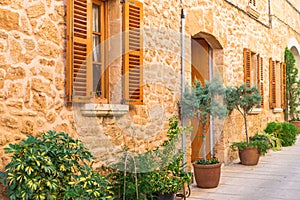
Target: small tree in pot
[
  {"x": 243, "y": 99},
  {"x": 201, "y": 102}
]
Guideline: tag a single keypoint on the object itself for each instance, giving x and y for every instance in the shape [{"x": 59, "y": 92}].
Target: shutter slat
[
  {"x": 272, "y": 84},
  {"x": 283, "y": 85},
  {"x": 77, "y": 49},
  {"x": 260, "y": 78},
  {"x": 247, "y": 67},
  {"x": 133, "y": 55}
]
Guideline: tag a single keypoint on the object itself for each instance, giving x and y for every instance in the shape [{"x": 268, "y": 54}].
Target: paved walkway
[{"x": 276, "y": 177}]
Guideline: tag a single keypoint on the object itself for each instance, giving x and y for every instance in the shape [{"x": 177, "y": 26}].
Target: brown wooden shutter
[
  {"x": 272, "y": 84},
  {"x": 78, "y": 70},
  {"x": 260, "y": 78},
  {"x": 247, "y": 67},
  {"x": 283, "y": 85},
  {"x": 133, "y": 52}
]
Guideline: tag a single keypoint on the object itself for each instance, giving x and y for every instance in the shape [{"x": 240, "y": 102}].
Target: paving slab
[{"x": 276, "y": 177}]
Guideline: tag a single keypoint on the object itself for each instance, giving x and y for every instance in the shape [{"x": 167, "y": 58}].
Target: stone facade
[{"x": 32, "y": 69}]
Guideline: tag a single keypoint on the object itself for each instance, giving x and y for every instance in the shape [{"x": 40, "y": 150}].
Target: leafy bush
[
  {"x": 52, "y": 166},
  {"x": 159, "y": 170},
  {"x": 285, "y": 131},
  {"x": 274, "y": 143}
]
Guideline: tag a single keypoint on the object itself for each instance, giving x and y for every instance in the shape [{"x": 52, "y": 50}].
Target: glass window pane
[
  {"x": 96, "y": 48},
  {"x": 96, "y": 18},
  {"x": 96, "y": 78}
]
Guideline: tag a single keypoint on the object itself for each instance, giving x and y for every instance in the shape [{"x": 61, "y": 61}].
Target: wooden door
[{"x": 200, "y": 71}]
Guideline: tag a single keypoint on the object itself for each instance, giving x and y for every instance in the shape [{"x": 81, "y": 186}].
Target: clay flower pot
[
  {"x": 207, "y": 176},
  {"x": 249, "y": 155}
]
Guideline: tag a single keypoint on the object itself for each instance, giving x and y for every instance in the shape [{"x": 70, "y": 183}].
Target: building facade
[{"x": 110, "y": 72}]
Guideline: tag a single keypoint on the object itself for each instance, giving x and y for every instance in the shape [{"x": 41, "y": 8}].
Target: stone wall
[{"x": 32, "y": 68}]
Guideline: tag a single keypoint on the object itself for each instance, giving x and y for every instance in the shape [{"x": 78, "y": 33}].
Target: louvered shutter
[
  {"x": 247, "y": 67},
  {"x": 260, "y": 78},
  {"x": 133, "y": 52},
  {"x": 78, "y": 72},
  {"x": 283, "y": 85},
  {"x": 272, "y": 84}
]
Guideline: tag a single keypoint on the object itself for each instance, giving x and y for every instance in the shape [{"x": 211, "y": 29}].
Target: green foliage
[
  {"x": 52, "y": 166},
  {"x": 211, "y": 161},
  {"x": 243, "y": 99},
  {"x": 273, "y": 142},
  {"x": 202, "y": 102},
  {"x": 285, "y": 131},
  {"x": 262, "y": 145},
  {"x": 139, "y": 176},
  {"x": 292, "y": 85}
]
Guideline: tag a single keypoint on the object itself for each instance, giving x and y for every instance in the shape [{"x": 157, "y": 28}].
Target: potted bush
[
  {"x": 292, "y": 88},
  {"x": 155, "y": 174},
  {"x": 202, "y": 102},
  {"x": 243, "y": 99}
]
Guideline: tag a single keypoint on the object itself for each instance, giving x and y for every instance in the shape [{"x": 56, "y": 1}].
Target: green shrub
[
  {"x": 274, "y": 143},
  {"x": 140, "y": 176},
  {"x": 285, "y": 131},
  {"x": 52, "y": 166}
]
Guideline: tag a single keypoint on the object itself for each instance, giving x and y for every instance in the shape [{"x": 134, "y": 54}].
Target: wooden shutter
[
  {"x": 133, "y": 52},
  {"x": 247, "y": 67},
  {"x": 283, "y": 85},
  {"x": 272, "y": 84},
  {"x": 260, "y": 78},
  {"x": 78, "y": 72}
]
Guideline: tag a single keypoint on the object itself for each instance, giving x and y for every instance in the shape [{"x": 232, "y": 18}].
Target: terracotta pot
[
  {"x": 207, "y": 176},
  {"x": 297, "y": 124},
  {"x": 249, "y": 156}
]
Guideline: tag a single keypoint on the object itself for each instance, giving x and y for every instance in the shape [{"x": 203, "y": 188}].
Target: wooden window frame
[
  {"x": 79, "y": 69},
  {"x": 272, "y": 79},
  {"x": 283, "y": 84}
]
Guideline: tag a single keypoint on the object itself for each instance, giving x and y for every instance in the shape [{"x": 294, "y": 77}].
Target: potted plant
[
  {"x": 243, "y": 99},
  {"x": 202, "y": 102},
  {"x": 156, "y": 174},
  {"x": 292, "y": 88}
]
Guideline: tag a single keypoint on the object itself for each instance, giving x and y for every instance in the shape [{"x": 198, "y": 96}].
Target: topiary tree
[
  {"x": 52, "y": 166},
  {"x": 202, "y": 102},
  {"x": 292, "y": 86},
  {"x": 243, "y": 99}
]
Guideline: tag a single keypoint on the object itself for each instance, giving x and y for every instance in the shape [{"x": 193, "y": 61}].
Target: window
[
  {"x": 253, "y": 71},
  {"x": 87, "y": 77},
  {"x": 277, "y": 84}
]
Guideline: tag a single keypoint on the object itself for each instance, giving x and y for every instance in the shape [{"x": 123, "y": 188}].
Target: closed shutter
[
  {"x": 78, "y": 74},
  {"x": 272, "y": 84},
  {"x": 247, "y": 67},
  {"x": 260, "y": 78},
  {"x": 133, "y": 52},
  {"x": 283, "y": 85}
]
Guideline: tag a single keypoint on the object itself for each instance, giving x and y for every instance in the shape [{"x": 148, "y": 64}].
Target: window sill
[
  {"x": 252, "y": 10},
  {"x": 277, "y": 110},
  {"x": 255, "y": 111},
  {"x": 101, "y": 110}
]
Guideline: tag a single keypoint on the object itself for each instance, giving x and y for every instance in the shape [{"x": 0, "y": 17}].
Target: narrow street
[{"x": 276, "y": 177}]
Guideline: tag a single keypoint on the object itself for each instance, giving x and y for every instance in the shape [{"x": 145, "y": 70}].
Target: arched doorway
[
  {"x": 204, "y": 49},
  {"x": 297, "y": 58}
]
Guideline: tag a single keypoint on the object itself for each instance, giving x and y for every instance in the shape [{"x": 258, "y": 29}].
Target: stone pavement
[{"x": 276, "y": 177}]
